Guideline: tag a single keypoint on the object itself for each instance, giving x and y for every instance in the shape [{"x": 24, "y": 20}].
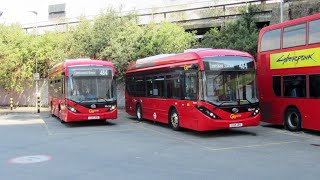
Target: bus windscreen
[
  {"x": 229, "y": 80},
  {"x": 91, "y": 84}
]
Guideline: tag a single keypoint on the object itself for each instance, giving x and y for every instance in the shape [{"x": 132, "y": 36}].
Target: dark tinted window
[
  {"x": 149, "y": 86},
  {"x": 190, "y": 85},
  {"x": 173, "y": 83},
  {"x": 295, "y": 86},
  {"x": 314, "y": 86},
  {"x": 276, "y": 81},
  {"x": 270, "y": 40},
  {"x": 314, "y": 31},
  {"x": 158, "y": 88},
  {"x": 130, "y": 85},
  {"x": 139, "y": 86},
  {"x": 294, "y": 35}
]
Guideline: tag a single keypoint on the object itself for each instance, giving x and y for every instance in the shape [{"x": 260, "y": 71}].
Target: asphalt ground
[{"x": 37, "y": 146}]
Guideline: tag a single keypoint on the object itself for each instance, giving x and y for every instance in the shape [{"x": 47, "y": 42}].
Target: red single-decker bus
[
  {"x": 83, "y": 89},
  {"x": 200, "y": 89}
]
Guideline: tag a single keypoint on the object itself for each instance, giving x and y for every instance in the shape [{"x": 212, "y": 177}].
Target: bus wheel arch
[
  {"x": 174, "y": 119},
  {"x": 59, "y": 114},
  {"x": 139, "y": 112},
  {"x": 292, "y": 119}
]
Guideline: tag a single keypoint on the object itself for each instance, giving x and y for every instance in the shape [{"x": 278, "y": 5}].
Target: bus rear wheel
[
  {"x": 139, "y": 112},
  {"x": 174, "y": 120},
  {"x": 292, "y": 119}
]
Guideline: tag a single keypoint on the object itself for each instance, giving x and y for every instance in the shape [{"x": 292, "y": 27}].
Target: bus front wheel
[
  {"x": 139, "y": 112},
  {"x": 174, "y": 120},
  {"x": 60, "y": 116},
  {"x": 292, "y": 119}
]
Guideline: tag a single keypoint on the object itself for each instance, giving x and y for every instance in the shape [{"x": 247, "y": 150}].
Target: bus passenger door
[
  {"x": 159, "y": 101},
  {"x": 190, "y": 92},
  {"x": 148, "y": 103}
]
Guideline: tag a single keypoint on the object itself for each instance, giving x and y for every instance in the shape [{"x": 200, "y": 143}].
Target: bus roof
[
  {"x": 189, "y": 55},
  {"x": 289, "y": 23},
  {"x": 79, "y": 62}
]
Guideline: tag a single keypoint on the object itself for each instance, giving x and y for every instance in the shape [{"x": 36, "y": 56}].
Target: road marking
[
  {"x": 20, "y": 122},
  {"x": 254, "y": 145},
  {"x": 171, "y": 137},
  {"x": 30, "y": 159},
  {"x": 300, "y": 134},
  {"x": 92, "y": 132},
  {"x": 47, "y": 128},
  {"x": 217, "y": 149}
]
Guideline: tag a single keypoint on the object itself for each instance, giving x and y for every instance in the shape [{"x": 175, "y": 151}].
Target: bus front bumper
[
  {"x": 216, "y": 124},
  {"x": 73, "y": 117}
]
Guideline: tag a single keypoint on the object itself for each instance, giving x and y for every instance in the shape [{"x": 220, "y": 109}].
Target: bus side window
[
  {"x": 190, "y": 87},
  {"x": 270, "y": 40},
  {"x": 173, "y": 84},
  {"x": 149, "y": 86},
  {"x": 295, "y": 86},
  {"x": 276, "y": 84},
  {"x": 314, "y": 31},
  {"x": 294, "y": 35},
  {"x": 314, "y": 85}
]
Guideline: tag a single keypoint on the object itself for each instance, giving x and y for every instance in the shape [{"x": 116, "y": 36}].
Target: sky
[{"x": 20, "y": 10}]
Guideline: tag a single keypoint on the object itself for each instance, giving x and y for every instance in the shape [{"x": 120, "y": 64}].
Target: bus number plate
[
  {"x": 93, "y": 117},
  {"x": 233, "y": 125}
]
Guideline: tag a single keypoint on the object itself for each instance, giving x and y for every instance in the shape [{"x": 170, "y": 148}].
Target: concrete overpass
[{"x": 199, "y": 16}]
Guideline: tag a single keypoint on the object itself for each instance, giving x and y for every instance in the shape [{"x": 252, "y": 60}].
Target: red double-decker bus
[
  {"x": 289, "y": 73},
  {"x": 83, "y": 89},
  {"x": 203, "y": 89}
]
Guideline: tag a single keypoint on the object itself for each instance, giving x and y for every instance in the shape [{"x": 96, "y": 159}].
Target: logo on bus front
[
  {"x": 235, "y": 116},
  {"x": 235, "y": 110},
  {"x": 93, "y": 110}
]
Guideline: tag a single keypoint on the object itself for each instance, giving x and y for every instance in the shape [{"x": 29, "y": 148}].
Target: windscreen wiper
[
  {"x": 106, "y": 100},
  {"x": 219, "y": 105},
  {"x": 239, "y": 100}
]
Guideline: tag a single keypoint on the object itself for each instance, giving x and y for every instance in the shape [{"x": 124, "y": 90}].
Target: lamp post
[
  {"x": 281, "y": 11},
  {"x": 36, "y": 75}
]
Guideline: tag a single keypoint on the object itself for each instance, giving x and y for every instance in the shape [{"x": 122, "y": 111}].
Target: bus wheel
[
  {"x": 174, "y": 120},
  {"x": 292, "y": 119},
  {"x": 139, "y": 112}
]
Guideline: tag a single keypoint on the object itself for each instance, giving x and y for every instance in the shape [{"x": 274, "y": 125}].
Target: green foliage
[
  {"x": 241, "y": 34},
  {"x": 21, "y": 53},
  {"x": 14, "y": 58},
  {"x": 109, "y": 37},
  {"x": 78, "y": 42}
]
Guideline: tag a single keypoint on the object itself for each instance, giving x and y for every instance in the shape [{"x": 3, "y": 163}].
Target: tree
[
  {"x": 78, "y": 42},
  {"x": 165, "y": 37},
  {"x": 241, "y": 34},
  {"x": 121, "y": 40},
  {"x": 15, "y": 64}
]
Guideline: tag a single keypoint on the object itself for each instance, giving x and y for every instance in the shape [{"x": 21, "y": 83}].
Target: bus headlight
[
  {"x": 255, "y": 112},
  {"x": 207, "y": 112},
  {"x": 113, "y": 107},
  {"x": 72, "y": 109}
]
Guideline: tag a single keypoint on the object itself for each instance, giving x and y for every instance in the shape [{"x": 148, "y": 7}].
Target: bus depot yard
[{"x": 37, "y": 146}]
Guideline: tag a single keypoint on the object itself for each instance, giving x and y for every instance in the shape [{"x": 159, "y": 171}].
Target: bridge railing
[{"x": 188, "y": 14}]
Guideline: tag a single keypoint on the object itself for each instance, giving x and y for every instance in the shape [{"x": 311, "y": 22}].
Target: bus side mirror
[{"x": 63, "y": 73}]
